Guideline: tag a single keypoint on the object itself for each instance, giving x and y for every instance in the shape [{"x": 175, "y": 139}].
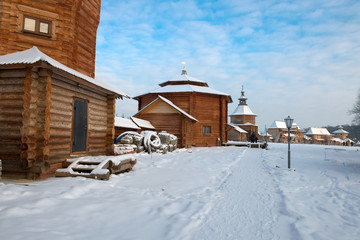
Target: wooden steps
[{"x": 97, "y": 167}]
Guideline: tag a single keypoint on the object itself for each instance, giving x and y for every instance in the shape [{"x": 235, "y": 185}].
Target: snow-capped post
[{"x": 289, "y": 121}]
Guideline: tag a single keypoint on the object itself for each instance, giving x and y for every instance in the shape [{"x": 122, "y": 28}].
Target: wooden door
[{"x": 80, "y": 126}]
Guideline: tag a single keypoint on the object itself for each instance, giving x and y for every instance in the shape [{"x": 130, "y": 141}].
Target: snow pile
[
  {"x": 149, "y": 141},
  {"x": 200, "y": 193}
]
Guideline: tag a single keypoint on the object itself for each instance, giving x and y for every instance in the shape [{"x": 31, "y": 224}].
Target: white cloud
[{"x": 293, "y": 57}]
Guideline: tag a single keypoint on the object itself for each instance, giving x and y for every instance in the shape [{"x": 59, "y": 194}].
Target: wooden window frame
[
  {"x": 37, "y": 26},
  {"x": 206, "y": 130}
]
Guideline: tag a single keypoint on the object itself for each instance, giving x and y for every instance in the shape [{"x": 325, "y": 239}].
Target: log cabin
[
  {"x": 188, "y": 108},
  {"x": 51, "y": 107},
  {"x": 49, "y": 112},
  {"x": 243, "y": 118}
]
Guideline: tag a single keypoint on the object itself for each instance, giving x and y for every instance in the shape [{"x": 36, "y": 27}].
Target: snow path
[
  {"x": 323, "y": 194},
  {"x": 217, "y": 193},
  {"x": 246, "y": 203}
]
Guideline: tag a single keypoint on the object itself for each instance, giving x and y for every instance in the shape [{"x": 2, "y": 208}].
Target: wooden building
[
  {"x": 341, "y": 133},
  {"x": 236, "y": 133},
  {"x": 65, "y": 30},
  {"x": 143, "y": 124},
  {"x": 188, "y": 108},
  {"x": 123, "y": 125},
  {"x": 132, "y": 124},
  {"x": 49, "y": 112},
  {"x": 244, "y": 118},
  {"x": 319, "y": 136},
  {"x": 279, "y": 132}
]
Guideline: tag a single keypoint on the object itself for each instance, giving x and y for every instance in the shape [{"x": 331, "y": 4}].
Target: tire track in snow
[{"x": 242, "y": 207}]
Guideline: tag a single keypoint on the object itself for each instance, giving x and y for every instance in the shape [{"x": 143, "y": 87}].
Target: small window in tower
[
  {"x": 37, "y": 26},
  {"x": 206, "y": 130}
]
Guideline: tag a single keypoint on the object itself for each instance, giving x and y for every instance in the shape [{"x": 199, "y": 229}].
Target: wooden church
[
  {"x": 51, "y": 107},
  {"x": 188, "y": 108},
  {"x": 242, "y": 120}
]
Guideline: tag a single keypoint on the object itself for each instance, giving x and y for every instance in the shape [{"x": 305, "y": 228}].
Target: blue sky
[{"x": 297, "y": 58}]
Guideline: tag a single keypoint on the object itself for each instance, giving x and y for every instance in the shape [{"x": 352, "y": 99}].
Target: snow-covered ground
[{"x": 200, "y": 193}]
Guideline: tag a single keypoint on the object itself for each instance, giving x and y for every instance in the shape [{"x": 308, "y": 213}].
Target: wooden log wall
[
  {"x": 74, "y": 25},
  {"x": 100, "y": 128},
  {"x": 241, "y": 119},
  {"x": 208, "y": 109},
  {"x": 11, "y": 115}
]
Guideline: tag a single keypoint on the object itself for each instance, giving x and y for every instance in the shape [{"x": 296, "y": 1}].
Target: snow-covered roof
[
  {"x": 171, "y": 104},
  {"x": 242, "y": 110},
  {"x": 307, "y": 138},
  {"x": 34, "y": 55},
  {"x": 237, "y": 128},
  {"x": 184, "y": 77},
  {"x": 317, "y": 131},
  {"x": 142, "y": 123},
  {"x": 340, "y": 131},
  {"x": 186, "y": 88},
  {"x": 282, "y": 125},
  {"x": 265, "y": 134},
  {"x": 125, "y": 123},
  {"x": 337, "y": 140},
  {"x": 246, "y": 124}
]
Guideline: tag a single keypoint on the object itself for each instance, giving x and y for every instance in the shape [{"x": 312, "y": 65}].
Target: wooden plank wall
[
  {"x": 63, "y": 94},
  {"x": 209, "y": 109},
  {"x": 169, "y": 122},
  {"x": 11, "y": 109},
  {"x": 241, "y": 119},
  {"x": 74, "y": 27}
]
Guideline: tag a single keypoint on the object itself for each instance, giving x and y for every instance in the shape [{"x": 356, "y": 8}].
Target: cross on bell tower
[{"x": 242, "y": 99}]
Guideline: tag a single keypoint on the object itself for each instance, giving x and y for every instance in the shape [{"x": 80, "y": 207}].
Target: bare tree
[{"x": 356, "y": 110}]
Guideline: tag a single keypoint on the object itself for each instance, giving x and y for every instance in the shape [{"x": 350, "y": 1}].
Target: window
[
  {"x": 206, "y": 130},
  {"x": 37, "y": 26}
]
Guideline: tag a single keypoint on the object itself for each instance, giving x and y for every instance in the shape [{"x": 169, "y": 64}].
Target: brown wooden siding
[
  {"x": 63, "y": 93},
  {"x": 241, "y": 119},
  {"x": 73, "y": 36},
  {"x": 169, "y": 122},
  {"x": 11, "y": 110},
  {"x": 208, "y": 109}
]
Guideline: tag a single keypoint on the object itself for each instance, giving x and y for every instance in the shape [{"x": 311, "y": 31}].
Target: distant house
[
  {"x": 188, "y": 108},
  {"x": 243, "y": 118},
  {"x": 131, "y": 124},
  {"x": 143, "y": 124},
  {"x": 279, "y": 132},
  {"x": 124, "y": 125},
  {"x": 319, "y": 135},
  {"x": 341, "y": 133},
  {"x": 236, "y": 133},
  {"x": 266, "y": 137}
]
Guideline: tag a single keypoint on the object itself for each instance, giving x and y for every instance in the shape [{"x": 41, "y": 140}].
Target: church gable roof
[{"x": 170, "y": 104}]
